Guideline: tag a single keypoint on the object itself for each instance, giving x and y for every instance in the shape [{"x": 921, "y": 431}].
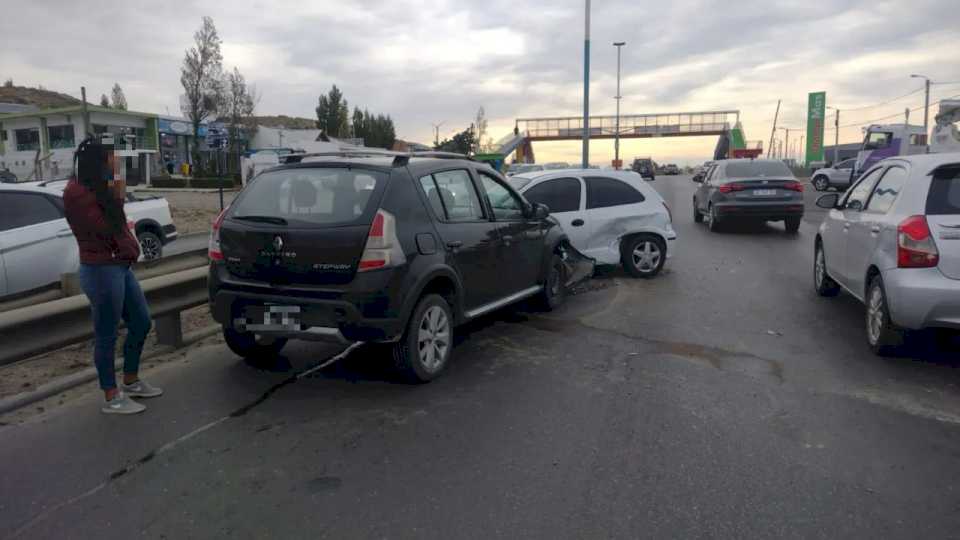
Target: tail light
[
  {"x": 669, "y": 213},
  {"x": 728, "y": 188},
  {"x": 915, "y": 246},
  {"x": 213, "y": 251},
  {"x": 794, "y": 186},
  {"x": 382, "y": 249}
]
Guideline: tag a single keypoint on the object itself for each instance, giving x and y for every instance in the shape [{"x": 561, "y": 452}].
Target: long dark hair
[{"x": 91, "y": 160}]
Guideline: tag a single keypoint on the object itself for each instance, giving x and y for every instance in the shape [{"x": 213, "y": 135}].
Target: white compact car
[
  {"x": 37, "y": 245},
  {"x": 837, "y": 175},
  {"x": 614, "y": 217},
  {"x": 893, "y": 242}
]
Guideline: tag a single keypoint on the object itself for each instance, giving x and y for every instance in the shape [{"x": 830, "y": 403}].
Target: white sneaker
[
  {"x": 141, "y": 389},
  {"x": 122, "y": 404}
]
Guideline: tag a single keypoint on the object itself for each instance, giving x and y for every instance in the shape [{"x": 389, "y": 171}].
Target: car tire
[
  {"x": 554, "y": 286},
  {"x": 883, "y": 337},
  {"x": 697, "y": 216},
  {"x": 713, "y": 222},
  {"x": 430, "y": 327},
  {"x": 822, "y": 282},
  {"x": 792, "y": 224},
  {"x": 821, "y": 183},
  {"x": 247, "y": 346},
  {"x": 150, "y": 245},
  {"x": 643, "y": 255}
]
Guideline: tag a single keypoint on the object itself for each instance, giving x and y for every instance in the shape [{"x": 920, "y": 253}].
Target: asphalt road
[{"x": 722, "y": 399}]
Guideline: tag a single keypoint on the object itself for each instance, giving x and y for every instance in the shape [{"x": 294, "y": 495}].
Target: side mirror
[
  {"x": 540, "y": 211},
  {"x": 828, "y": 201},
  {"x": 698, "y": 179}
]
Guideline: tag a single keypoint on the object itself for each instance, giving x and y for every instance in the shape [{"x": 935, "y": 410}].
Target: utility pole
[
  {"x": 586, "y": 87},
  {"x": 836, "y": 133},
  {"x": 85, "y": 113},
  {"x": 926, "y": 108},
  {"x": 616, "y": 137},
  {"x": 802, "y": 153},
  {"x": 436, "y": 133},
  {"x": 774, "y": 130}
]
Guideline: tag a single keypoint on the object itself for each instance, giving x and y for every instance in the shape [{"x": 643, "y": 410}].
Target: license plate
[
  {"x": 765, "y": 192},
  {"x": 272, "y": 318}
]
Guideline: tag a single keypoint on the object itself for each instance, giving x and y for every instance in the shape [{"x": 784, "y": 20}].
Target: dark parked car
[
  {"x": 391, "y": 249},
  {"x": 748, "y": 189},
  {"x": 645, "y": 168}
]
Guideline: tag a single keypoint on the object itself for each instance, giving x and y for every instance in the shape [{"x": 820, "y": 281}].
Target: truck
[{"x": 887, "y": 140}]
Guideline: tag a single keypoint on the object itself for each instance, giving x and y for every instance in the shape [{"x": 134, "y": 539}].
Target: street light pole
[
  {"x": 616, "y": 137},
  {"x": 836, "y": 133},
  {"x": 586, "y": 87},
  {"x": 436, "y": 133},
  {"x": 926, "y": 107}
]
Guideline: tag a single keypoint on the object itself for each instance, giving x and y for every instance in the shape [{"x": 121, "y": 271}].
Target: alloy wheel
[
  {"x": 646, "y": 256},
  {"x": 875, "y": 315},
  {"x": 433, "y": 338}
]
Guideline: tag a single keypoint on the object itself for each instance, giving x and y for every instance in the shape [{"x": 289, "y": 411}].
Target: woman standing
[{"x": 93, "y": 205}]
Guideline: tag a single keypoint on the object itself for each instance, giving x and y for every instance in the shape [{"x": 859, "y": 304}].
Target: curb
[{"x": 16, "y": 401}]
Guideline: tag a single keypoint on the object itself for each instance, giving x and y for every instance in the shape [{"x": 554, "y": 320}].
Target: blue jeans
[{"x": 114, "y": 293}]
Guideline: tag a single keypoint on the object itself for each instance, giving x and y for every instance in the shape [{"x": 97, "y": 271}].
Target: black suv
[
  {"x": 645, "y": 168},
  {"x": 391, "y": 248}
]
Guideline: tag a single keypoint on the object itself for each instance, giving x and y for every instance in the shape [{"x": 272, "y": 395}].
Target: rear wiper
[{"x": 262, "y": 219}]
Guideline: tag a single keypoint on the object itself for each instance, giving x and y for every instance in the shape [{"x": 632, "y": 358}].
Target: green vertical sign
[{"x": 816, "y": 110}]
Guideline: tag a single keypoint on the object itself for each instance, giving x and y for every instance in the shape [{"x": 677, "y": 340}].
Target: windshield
[
  {"x": 311, "y": 196},
  {"x": 748, "y": 169}
]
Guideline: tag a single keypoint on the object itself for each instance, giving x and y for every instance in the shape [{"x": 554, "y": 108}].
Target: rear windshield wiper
[{"x": 262, "y": 219}]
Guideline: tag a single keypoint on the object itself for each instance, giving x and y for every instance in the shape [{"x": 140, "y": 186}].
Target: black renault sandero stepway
[{"x": 384, "y": 248}]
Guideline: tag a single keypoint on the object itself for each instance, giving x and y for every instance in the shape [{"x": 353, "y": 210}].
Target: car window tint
[
  {"x": 846, "y": 164},
  {"x": 456, "y": 193},
  {"x": 312, "y": 195},
  {"x": 433, "y": 196},
  {"x": 25, "y": 209},
  {"x": 944, "y": 196},
  {"x": 861, "y": 191},
  {"x": 560, "y": 195},
  {"x": 505, "y": 205},
  {"x": 606, "y": 192},
  {"x": 746, "y": 169},
  {"x": 887, "y": 190}
]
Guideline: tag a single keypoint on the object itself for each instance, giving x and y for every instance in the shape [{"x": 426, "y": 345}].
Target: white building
[{"x": 39, "y": 144}]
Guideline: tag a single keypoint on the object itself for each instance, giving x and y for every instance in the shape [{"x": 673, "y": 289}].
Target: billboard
[{"x": 816, "y": 110}]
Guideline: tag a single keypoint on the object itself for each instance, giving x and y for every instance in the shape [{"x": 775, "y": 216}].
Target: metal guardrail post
[{"x": 169, "y": 330}]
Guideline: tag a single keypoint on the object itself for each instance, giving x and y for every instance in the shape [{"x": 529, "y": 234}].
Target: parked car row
[
  {"x": 400, "y": 250},
  {"x": 37, "y": 245}
]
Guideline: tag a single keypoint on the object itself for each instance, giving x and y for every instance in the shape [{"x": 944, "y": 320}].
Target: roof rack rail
[{"x": 399, "y": 158}]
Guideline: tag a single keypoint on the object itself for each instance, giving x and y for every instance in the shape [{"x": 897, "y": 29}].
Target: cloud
[{"x": 426, "y": 61}]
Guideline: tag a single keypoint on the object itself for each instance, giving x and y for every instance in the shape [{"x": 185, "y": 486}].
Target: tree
[
  {"x": 333, "y": 114},
  {"x": 359, "y": 123},
  {"x": 481, "y": 129},
  {"x": 461, "y": 143},
  {"x": 8, "y": 83},
  {"x": 377, "y": 131},
  {"x": 201, "y": 77},
  {"x": 119, "y": 101},
  {"x": 239, "y": 106},
  {"x": 104, "y": 102}
]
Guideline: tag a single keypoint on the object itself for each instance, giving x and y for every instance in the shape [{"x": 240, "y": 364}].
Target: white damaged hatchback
[{"x": 615, "y": 217}]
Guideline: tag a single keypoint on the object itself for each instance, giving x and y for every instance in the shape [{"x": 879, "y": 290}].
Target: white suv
[
  {"x": 614, "y": 217},
  {"x": 893, "y": 242}
]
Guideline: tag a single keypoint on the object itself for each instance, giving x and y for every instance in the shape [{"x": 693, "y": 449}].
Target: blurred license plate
[
  {"x": 272, "y": 317},
  {"x": 765, "y": 192}
]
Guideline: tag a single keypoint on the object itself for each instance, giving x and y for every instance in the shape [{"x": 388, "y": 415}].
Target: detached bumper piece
[{"x": 578, "y": 266}]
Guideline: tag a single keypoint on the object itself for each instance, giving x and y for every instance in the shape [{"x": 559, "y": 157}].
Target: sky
[{"x": 429, "y": 62}]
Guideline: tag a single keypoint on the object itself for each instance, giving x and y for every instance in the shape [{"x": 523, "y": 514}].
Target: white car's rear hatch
[{"x": 943, "y": 215}]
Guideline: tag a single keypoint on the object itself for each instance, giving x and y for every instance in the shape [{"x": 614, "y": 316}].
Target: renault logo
[{"x": 278, "y": 243}]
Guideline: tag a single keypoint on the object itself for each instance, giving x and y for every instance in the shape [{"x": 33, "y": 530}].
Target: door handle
[
  {"x": 507, "y": 239},
  {"x": 875, "y": 229},
  {"x": 456, "y": 244},
  {"x": 63, "y": 233},
  {"x": 846, "y": 226},
  {"x": 577, "y": 223}
]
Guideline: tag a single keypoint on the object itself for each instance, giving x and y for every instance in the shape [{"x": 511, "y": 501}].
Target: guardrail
[{"x": 39, "y": 328}]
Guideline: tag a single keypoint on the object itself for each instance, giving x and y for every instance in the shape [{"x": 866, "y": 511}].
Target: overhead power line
[{"x": 875, "y": 120}]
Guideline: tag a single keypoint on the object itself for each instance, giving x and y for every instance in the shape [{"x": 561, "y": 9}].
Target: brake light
[
  {"x": 669, "y": 213},
  {"x": 915, "y": 246},
  {"x": 213, "y": 251},
  {"x": 728, "y": 188},
  {"x": 794, "y": 186},
  {"x": 382, "y": 249}
]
